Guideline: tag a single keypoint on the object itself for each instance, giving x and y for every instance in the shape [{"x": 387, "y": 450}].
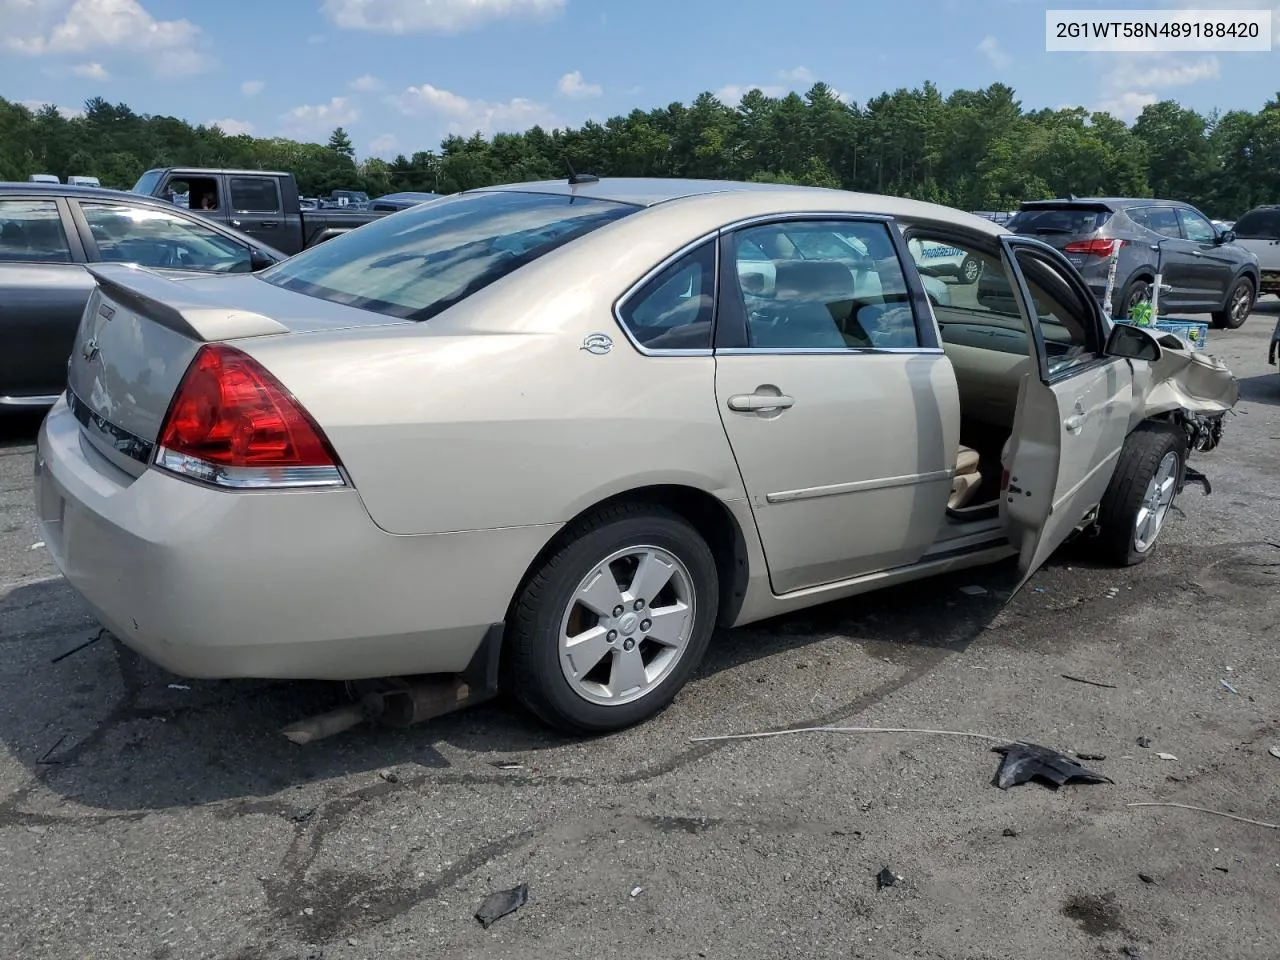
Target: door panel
[
  {"x": 844, "y": 427},
  {"x": 256, "y": 209},
  {"x": 1072, "y": 419},
  {"x": 43, "y": 292},
  {"x": 850, "y": 476},
  {"x": 1213, "y": 266},
  {"x": 1177, "y": 265}
]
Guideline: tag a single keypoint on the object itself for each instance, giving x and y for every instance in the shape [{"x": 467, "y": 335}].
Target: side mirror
[
  {"x": 1226, "y": 236},
  {"x": 1133, "y": 343},
  {"x": 259, "y": 260}
]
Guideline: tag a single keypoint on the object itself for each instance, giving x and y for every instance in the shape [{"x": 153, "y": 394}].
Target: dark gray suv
[{"x": 1204, "y": 271}]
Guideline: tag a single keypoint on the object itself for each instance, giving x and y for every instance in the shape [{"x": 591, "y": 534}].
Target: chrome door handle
[
  {"x": 1073, "y": 423},
  {"x": 759, "y": 401}
]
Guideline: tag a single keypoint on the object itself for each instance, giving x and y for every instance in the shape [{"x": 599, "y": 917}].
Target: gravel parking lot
[{"x": 143, "y": 816}]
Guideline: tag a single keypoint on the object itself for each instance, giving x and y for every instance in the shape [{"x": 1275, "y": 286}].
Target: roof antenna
[{"x": 575, "y": 178}]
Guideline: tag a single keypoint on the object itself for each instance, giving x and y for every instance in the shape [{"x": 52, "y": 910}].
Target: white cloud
[
  {"x": 1133, "y": 81},
  {"x": 798, "y": 76},
  {"x": 387, "y": 143},
  {"x": 35, "y": 106},
  {"x": 990, "y": 48},
  {"x": 572, "y": 85},
  {"x": 731, "y": 94},
  {"x": 91, "y": 71},
  {"x": 232, "y": 128},
  {"x": 799, "y": 80},
  {"x": 251, "y": 88},
  {"x": 117, "y": 26},
  {"x": 1127, "y": 105},
  {"x": 313, "y": 120},
  {"x": 464, "y": 117},
  {"x": 435, "y": 16},
  {"x": 366, "y": 84}
]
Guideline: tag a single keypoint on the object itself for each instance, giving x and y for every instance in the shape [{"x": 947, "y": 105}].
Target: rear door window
[
  {"x": 31, "y": 232},
  {"x": 151, "y": 237},
  {"x": 1161, "y": 220},
  {"x": 254, "y": 195},
  {"x": 1259, "y": 225}
]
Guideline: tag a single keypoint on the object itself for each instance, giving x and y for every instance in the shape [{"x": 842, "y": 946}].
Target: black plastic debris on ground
[
  {"x": 886, "y": 878},
  {"x": 498, "y": 905},
  {"x": 1027, "y": 761},
  {"x": 1144, "y": 742}
]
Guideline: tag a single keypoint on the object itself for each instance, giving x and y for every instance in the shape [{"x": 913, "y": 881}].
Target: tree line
[{"x": 974, "y": 149}]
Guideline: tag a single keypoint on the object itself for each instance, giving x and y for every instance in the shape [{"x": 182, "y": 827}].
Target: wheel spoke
[
  {"x": 587, "y": 649},
  {"x": 1144, "y": 517},
  {"x": 600, "y": 594},
  {"x": 668, "y": 623},
  {"x": 1166, "y": 489},
  {"x": 627, "y": 673},
  {"x": 652, "y": 574}
]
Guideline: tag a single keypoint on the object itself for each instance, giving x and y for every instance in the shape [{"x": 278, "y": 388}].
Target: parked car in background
[
  {"x": 944, "y": 260},
  {"x": 83, "y": 182},
  {"x": 1258, "y": 231},
  {"x": 1204, "y": 271},
  {"x": 353, "y": 199},
  {"x": 43, "y": 178},
  {"x": 400, "y": 201},
  {"x": 49, "y": 233},
  {"x": 262, "y": 203},
  {"x": 566, "y": 425}
]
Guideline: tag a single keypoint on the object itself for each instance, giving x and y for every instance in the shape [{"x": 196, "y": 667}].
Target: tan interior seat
[{"x": 967, "y": 479}]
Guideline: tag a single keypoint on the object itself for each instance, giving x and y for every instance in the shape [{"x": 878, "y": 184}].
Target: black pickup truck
[{"x": 261, "y": 203}]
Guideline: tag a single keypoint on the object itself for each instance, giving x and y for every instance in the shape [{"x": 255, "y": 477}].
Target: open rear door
[{"x": 1073, "y": 406}]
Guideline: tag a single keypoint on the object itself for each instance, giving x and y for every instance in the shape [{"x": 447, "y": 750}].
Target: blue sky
[{"x": 401, "y": 74}]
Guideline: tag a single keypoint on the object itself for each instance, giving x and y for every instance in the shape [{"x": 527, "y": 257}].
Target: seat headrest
[{"x": 821, "y": 281}]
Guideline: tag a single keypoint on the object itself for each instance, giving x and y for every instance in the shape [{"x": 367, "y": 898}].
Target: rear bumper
[
  {"x": 1270, "y": 282},
  {"x": 281, "y": 584}
]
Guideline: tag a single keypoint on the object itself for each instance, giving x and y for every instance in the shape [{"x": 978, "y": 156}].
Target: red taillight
[
  {"x": 1004, "y": 480},
  {"x": 233, "y": 424},
  {"x": 1094, "y": 248}
]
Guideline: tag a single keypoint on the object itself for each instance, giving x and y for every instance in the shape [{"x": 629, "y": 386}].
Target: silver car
[{"x": 578, "y": 426}]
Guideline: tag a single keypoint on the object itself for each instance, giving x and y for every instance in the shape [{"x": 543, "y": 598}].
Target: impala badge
[{"x": 597, "y": 343}]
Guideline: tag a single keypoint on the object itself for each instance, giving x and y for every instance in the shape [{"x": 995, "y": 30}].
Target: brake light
[
  {"x": 231, "y": 423},
  {"x": 1094, "y": 248}
]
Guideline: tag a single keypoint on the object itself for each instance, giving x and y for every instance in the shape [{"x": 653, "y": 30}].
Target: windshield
[
  {"x": 419, "y": 262},
  {"x": 147, "y": 182},
  {"x": 1259, "y": 225}
]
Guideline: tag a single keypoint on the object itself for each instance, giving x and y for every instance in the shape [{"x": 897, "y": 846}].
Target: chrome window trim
[
  {"x": 621, "y": 303},
  {"x": 827, "y": 351}
]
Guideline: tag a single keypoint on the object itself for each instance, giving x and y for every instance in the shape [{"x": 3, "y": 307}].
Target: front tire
[
  {"x": 614, "y": 621},
  {"x": 970, "y": 270},
  {"x": 1239, "y": 306},
  {"x": 1141, "y": 493}
]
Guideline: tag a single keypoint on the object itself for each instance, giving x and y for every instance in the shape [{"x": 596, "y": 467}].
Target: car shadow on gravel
[
  {"x": 106, "y": 729},
  {"x": 1263, "y": 389}
]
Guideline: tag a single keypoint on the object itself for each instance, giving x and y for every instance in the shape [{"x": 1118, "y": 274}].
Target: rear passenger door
[
  {"x": 835, "y": 396},
  {"x": 256, "y": 208},
  {"x": 1073, "y": 409},
  {"x": 1178, "y": 265},
  {"x": 43, "y": 292},
  {"x": 1213, "y": 268}
]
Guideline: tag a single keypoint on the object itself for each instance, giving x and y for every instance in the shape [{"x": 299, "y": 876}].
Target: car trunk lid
[{"x": 140, "y": 331}]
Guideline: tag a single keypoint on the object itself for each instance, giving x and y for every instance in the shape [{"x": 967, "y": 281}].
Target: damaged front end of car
[{"x": 1190, "y": 389}]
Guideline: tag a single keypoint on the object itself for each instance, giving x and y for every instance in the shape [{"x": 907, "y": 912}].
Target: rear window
[
  {"x": 1058, "y": 220},
  {"x": 419, "y": 263},
  {"x": 1259, "y": 225}
]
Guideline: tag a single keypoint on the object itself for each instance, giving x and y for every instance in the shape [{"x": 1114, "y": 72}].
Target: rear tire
[
  {"x": 583, "y": 668},
  {"x": 1239, "y": 305},
  {"x": 970, "y": 270},
  {"x": 1137, "y": 501},
  {"x": 1137, "y": 291}
]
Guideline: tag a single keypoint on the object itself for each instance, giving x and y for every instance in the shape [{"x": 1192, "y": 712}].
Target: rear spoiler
[
  {"x": 177, "y": 307},
  {"x": 1095, "y": 205}
]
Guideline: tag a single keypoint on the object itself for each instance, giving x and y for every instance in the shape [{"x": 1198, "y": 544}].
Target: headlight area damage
[{"x": 1191, "y": 389}]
